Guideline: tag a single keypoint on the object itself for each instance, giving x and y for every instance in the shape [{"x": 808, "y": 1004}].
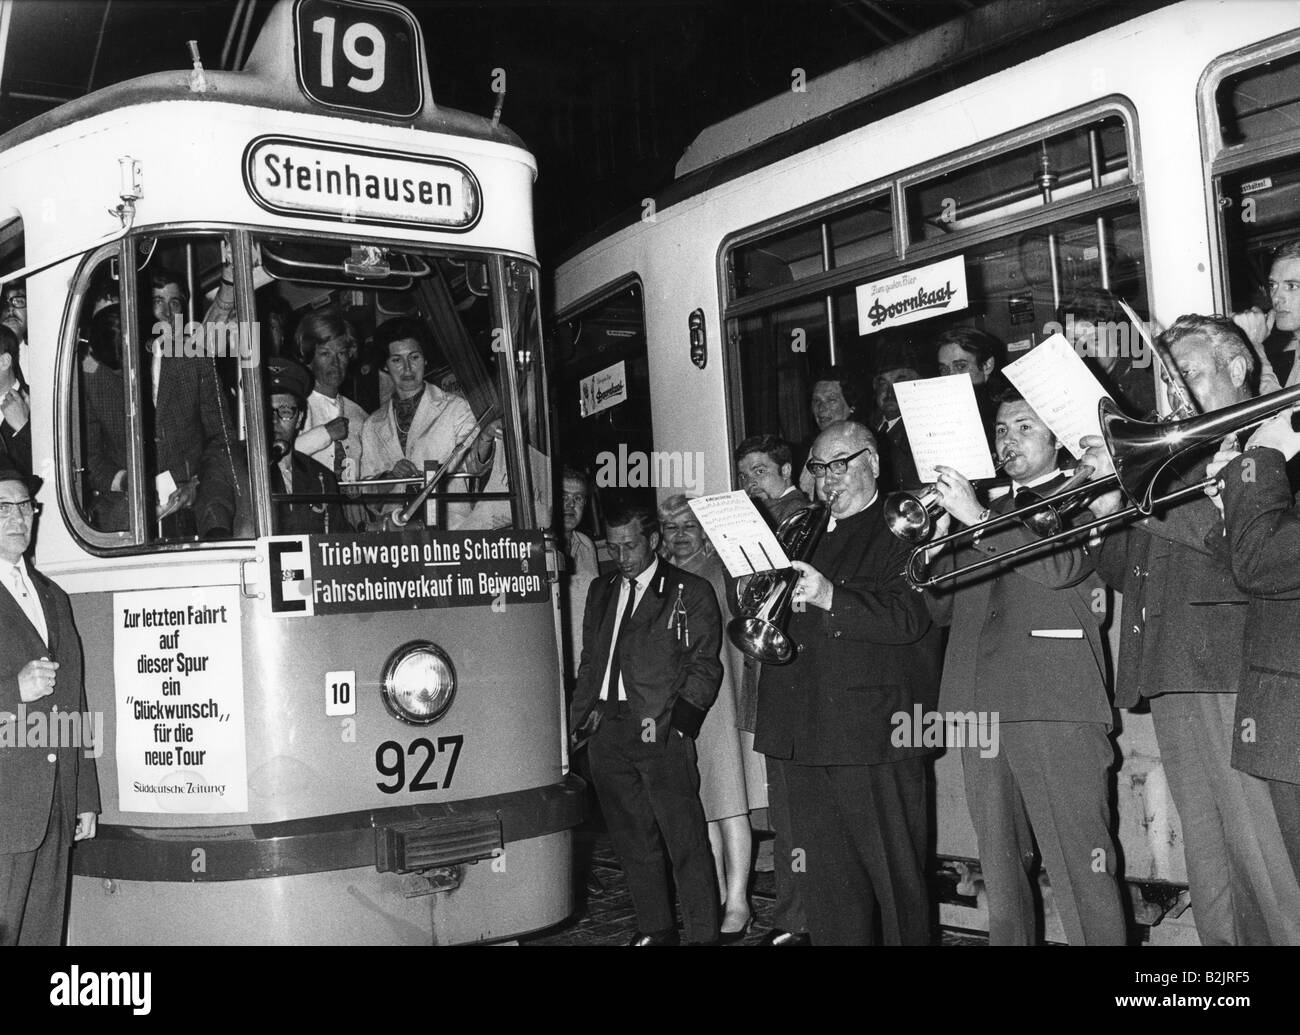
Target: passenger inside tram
[
  {"x": 293, "y": 472},
  {"x": 15, "y": 410}
]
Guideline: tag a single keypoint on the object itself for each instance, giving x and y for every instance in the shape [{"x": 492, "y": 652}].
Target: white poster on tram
[
  {"x": 603, "y": 389},
  {"x": 919, "y": 294},
  {"x": 178, "y": 667}
]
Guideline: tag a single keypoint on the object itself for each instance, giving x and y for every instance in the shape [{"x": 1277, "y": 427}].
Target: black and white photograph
[{"x": 770, "y": 474}]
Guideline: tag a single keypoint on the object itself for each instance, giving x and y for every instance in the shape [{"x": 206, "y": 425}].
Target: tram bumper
[{"x": 336, "y": 879}]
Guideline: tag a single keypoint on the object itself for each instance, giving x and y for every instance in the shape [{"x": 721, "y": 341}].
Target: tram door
[
  {"x": 604, "y": 400},
  {"x": 1256, "y": 191}
]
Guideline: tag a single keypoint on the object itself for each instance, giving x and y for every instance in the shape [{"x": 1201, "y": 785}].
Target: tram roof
[
  {"x": 980, "y": 44},
  {"x": 240, "y": 88},
  {"x": 268, "y": 80}
]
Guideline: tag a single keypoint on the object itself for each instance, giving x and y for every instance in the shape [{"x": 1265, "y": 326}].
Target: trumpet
[
  {"x": 1140, "y": 452},
  {"x": 759, "y": 628},
  {"x": 911, "y": 515}
]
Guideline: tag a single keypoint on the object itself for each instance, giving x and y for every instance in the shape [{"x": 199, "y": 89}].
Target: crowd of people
[{"x": 667, "y": 706}]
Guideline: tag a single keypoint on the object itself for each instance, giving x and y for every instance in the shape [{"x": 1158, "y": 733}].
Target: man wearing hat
[
  {"x": 49, "y": 795},
  {"x": 897, "y": 362},
  {"x": 288, "y": 386}
]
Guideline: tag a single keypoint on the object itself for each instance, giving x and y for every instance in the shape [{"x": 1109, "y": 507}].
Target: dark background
[{"x": 606, "y": 95}]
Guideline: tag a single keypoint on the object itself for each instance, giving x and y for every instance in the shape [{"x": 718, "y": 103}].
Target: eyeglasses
[
  {"x": 837, "y": 466},
  {"x": 23, "y": 508},
  {"x": 285, "y": 412},
  {"x": 14, "y": 302},
  {"x": 570, "y": 497}
]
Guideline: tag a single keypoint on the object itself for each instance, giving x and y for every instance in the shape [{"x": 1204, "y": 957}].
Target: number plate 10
[{"x": 359, "y": 55}]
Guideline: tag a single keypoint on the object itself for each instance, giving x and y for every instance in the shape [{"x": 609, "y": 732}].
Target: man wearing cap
[
  {"x": 49, "y": 796},
  {"x": 292, "y": 472}
]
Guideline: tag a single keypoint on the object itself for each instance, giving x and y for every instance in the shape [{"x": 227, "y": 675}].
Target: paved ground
[{"x": 606, "y": 917}]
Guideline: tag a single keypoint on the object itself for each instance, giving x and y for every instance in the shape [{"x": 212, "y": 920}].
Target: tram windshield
[{"x": 358, "y": 374}]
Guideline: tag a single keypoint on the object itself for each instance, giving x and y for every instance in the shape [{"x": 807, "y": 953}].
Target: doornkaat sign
[{"x": 918, "y": 294}]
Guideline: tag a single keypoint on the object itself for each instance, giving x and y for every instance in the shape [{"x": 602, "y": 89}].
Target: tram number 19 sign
[{"x": 359, "y": 56}]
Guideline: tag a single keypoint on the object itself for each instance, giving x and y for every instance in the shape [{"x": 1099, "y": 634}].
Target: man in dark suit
[
  {"x": 15, "y": 412},
  {"x": 188, "y": 430},
  {"x": 49, "y": 796},
  {"x": 763, "y": 464},
  {"x": 294, "y": 473},
  {"x": 898, "y": 469},
  {"x": 648, "y": 674},
  {"x": 1025, "y": 656},
  {"x": 1183, "y": 624},
  {"x": 868, "y": 652},
  {"x": 1262, "y": 540}
]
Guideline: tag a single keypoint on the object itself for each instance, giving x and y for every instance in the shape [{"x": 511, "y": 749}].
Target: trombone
[{"x": 1139, "y": 451}]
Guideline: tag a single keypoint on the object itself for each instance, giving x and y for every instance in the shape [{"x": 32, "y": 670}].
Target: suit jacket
[
  {"x": 16, "y": 446},
  {"x": 1262, "y": 525},
  {"x": 897, "y": 468},
  {"x": 441, "y": 420},
  {"x": 193, "y": 432},
  {"x": 994, "y": 662},
  {"x": 306, "y": 518},
  {"x": 26, "y": 773},
  {"x": 873, "y": 655},
  {"x": 1184, "y": 618},
  {"x": 666, "y": 678}
]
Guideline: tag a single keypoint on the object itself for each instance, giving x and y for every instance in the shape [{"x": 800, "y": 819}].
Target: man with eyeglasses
[
  {"x": 867, "y": 654},
  {"x": 13, "y": 314},
  {"x": 293, "y": 472},
  {"x": 49, "y": 795}
]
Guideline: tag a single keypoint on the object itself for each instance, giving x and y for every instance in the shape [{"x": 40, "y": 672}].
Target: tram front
[{"x": 289, "y": 403}]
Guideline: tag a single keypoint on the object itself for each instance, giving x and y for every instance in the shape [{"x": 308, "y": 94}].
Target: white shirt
[
  {"x": 321, "y": 409},
  {"x": 25, "y": 595},
  {"x": 642, "y": 582}
]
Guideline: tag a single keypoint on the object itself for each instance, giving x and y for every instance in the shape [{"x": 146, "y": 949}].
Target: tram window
[
  {"x": 188, "y": 369},
  {"x": 1259, "y": 103},
  {"x": 605, "y": 411},
  {"x": 860, "y": 232},
  {"x": 1259, "y": 224},
  {"x": 779, "y": 351},
  {"x": 1013, "y": 293},
  {"x": 1060, "y": 166},
  {"x": 408, "y": 372}
]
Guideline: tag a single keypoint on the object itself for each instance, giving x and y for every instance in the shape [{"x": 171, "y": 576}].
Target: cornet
[
  {"x": 758, "y": 629},
  {"x": 911, "y": 515}
]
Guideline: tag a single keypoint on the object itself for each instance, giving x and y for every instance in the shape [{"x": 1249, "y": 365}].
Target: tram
[
  {"x": 1043, "y": 151},
  {"x": 352, "y": 734}
]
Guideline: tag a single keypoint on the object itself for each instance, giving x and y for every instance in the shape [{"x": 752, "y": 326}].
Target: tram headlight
[{"x": 418, "y": 683}]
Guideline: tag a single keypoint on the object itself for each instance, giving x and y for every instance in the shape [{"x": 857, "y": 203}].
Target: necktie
[
  {"x": 29, "y": 604},
  {"x": 610, "y": 699},
  {"x": 339, "y": 455}
]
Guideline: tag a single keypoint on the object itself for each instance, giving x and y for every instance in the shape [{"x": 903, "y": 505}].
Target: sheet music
[
  {"x": 943, "y": 426},
  {"x": 742, "y": 539},
  {"x": 1061, "y": 389}
]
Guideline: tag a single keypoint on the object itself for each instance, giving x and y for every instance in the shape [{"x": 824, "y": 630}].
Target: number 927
[{"x": 390, "y": 761}]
